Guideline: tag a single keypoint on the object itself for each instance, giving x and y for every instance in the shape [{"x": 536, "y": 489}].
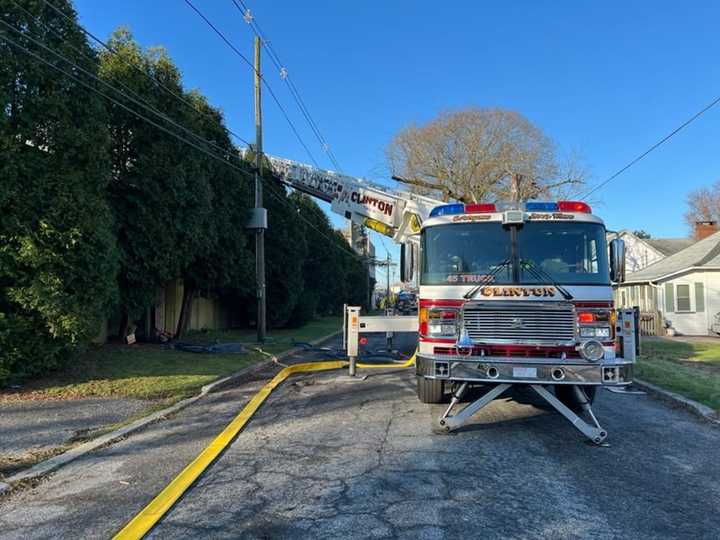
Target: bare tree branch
[
  {"x": 703, "y": 205},
  {"x": 471, "y": 155}
]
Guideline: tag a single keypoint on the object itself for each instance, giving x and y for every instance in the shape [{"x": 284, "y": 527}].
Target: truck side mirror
[
  {"x": 617, "y": 260},
  {"x": 407, "y": 262}
]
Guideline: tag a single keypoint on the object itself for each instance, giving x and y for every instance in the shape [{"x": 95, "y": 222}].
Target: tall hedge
[
  {"x": 101, "y": 210},
  {"x": 58, "y": 257}
]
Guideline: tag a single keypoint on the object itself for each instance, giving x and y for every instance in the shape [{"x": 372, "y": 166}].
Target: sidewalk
[{"x": 32, "y": 430}]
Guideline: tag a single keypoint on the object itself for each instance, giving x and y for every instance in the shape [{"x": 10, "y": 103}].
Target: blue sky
[{"x": 606, "y": 79}]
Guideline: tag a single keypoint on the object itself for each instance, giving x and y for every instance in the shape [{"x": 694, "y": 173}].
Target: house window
[{"x": 682, "y": 293}]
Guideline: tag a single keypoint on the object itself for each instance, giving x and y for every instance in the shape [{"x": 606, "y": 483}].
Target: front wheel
[
  {"x": 430, "y": 390},
  {"x": 566, "y": 395}
]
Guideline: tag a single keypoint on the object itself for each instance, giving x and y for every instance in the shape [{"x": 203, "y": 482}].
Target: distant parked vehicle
[{"x": 406, "y": 302}]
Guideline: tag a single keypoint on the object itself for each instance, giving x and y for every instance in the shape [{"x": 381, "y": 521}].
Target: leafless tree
[
  {"x": 472, "y": 155},
  {"x": 703, "y": 205}
]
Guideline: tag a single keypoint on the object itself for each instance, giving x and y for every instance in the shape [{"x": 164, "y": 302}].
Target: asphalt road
[
  {"x": 327, "y": 458},
  {"x": 35, "y": 425}
]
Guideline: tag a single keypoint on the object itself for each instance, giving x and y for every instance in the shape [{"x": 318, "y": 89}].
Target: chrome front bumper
[{"x": 487, "y": 369}]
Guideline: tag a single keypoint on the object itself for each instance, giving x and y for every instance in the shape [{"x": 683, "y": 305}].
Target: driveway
[{"x": 325, "y": 458}]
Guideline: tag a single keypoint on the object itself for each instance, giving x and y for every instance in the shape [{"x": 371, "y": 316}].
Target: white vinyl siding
[{"x": 691, "y": 301}]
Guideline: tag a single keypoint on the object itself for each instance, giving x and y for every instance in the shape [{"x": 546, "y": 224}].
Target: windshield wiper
[
  {"x": 487, "y": 279},
  {"x": 542, "y": 274}
]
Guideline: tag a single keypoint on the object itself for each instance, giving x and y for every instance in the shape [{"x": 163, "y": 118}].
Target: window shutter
[
  {"x": 669, "y": 298},
  {"x": 699, "y": 297}
]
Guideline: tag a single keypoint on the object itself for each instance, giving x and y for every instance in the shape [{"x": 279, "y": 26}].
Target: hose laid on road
[
  {"x": 410, "y": 362},
  {"x": 146, "y": 519}
]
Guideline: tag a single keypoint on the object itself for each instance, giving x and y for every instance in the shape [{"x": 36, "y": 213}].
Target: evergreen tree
[
  {"x": 161, "y": 201},
  {"x": 286, "y": 248},
  {"x": 222, "y": 262},
  {"x": 58, "y": 259}
]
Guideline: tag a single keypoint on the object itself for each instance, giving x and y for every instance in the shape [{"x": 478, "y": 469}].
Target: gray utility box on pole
[{"x": 258, "y": 219}]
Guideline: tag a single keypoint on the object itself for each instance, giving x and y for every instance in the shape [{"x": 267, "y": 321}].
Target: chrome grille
[{"x": 524, "y": 322}]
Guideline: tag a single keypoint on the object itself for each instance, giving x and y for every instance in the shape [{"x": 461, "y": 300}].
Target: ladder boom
[{"x": 397, "y": 214}]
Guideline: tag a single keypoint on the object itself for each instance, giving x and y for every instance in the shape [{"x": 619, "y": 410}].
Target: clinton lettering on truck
[
  {"x": 500, "y": 291},
  {"x": 383, "y": 206},
  {"x": 517, "y": 291}
]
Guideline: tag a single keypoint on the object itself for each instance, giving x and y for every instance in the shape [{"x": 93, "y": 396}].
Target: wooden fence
[{"x": 651, "y": 323}]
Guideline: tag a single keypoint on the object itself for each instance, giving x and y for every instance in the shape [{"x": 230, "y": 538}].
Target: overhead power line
[
  {"x": 158, "y": 126},
  {"x": 285, "y": 76},
  {"x": 265, "y": 83},
  {"x": 656, "y": 145},
  {"x": 113, "y": 51},
  {"x": 134, "y": 97}
]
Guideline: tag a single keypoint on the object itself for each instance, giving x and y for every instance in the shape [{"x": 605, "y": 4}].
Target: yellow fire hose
[{"x": 146, "y": 519}]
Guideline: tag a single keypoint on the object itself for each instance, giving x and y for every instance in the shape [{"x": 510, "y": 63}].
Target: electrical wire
[
  {"x": 139, "y": 100},
  {"x": 654, "y": 146},
  {"x": 115, "y": 52},
  {"x": 262, "y": 79},
  {"x": 162, "y": 128},
  {"x": 285, "y": 75}
]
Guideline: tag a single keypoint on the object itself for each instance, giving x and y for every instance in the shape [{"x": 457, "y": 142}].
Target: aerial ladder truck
[{"x": 515, "y": 294}]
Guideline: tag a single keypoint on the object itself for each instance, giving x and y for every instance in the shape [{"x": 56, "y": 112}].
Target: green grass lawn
[
  {"x": 691, "y": 369},
  {"x": 151, "y": 372}
]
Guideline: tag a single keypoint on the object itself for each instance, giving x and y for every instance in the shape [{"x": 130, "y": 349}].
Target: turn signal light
[
  {"x": 586, "y": 317},
  {"x": 423, "y": 320}
]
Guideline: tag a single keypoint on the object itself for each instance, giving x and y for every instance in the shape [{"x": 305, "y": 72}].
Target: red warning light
[
  {"x": 574, "y": 206},
  {"x": 363, "y": 341}
]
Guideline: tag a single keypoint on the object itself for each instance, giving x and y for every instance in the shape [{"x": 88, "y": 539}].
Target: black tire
[
  {"x": 565, "y": 394},
  {"x": 430, "y": 390}
]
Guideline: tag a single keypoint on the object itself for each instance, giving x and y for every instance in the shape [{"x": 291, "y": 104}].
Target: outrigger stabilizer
[{"x": 593, "y": 431}]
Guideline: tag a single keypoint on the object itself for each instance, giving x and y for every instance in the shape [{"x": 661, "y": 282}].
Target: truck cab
[{"x": 518, "y": 294}]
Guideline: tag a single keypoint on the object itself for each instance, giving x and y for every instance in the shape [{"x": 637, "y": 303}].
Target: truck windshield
[{"x": 572, "y": 253}]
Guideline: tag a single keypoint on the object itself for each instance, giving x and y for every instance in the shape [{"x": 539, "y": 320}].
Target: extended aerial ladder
[{"x": 397, "y": 214}]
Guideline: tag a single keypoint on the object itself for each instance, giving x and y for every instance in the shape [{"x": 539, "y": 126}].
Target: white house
[
  {"x": 683, "y": 287},
  {"x": 642, "y": 252}
]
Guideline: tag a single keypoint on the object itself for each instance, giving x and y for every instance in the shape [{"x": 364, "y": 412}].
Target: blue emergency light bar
[
  {"x": 560, "y": 206},
  {"x": 447, "y": 210},
  {"x": 541, "y": 207}
]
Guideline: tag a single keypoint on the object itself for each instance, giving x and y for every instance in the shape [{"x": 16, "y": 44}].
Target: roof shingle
[
  {"x": 670, "y": 246},
  {"x": 705, "y": 252}
]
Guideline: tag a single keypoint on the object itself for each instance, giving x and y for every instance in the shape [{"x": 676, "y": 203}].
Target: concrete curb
[
  {"x": 698, "y": 409},
  {"x": 54, "y": 463}
]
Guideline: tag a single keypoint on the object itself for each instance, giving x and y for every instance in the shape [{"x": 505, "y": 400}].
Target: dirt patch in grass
[{"x": 9, "y": 465}]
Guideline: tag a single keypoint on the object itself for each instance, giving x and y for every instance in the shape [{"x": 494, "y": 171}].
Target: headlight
[
  {"x": 438, "y": 330},
  {"x": 587, "y": 332},
  {"x": 592, "y": 350},
  {"x": 602, "y": 332},
  {"x": 439, "y": 322}
]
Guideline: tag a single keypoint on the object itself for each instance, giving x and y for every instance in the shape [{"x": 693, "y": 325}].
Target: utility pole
[{"x": 260, "y": 231}]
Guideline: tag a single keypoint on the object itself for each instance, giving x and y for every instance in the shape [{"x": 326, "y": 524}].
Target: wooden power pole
[{"x": 260, "y": 230}]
